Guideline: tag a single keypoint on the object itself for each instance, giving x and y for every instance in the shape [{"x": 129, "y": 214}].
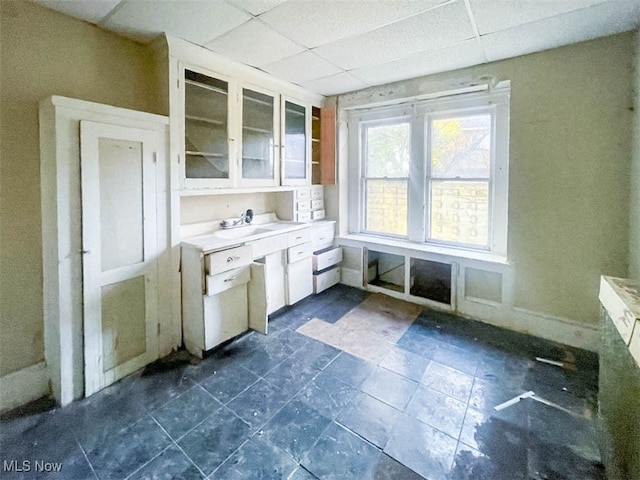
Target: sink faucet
[{"x": 245, "y": 219}]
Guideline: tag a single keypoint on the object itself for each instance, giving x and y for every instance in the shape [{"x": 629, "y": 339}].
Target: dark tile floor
[{"x": 287, "y": 406}]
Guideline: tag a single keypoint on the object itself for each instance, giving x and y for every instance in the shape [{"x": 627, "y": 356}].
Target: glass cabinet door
[
  {"x": 206, "y": 127},
  {"x": 259, "y": 166},
  {"x": 295, "y": 151}
]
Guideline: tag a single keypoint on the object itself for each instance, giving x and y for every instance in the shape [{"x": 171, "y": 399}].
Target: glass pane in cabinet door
[
  {"x": 257, "y": 135},
  {"x": 295, "y": 141},
  {"x": 205, "y": 126}
]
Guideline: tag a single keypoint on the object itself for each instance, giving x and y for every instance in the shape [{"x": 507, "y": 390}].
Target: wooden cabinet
[{"x": 323, "y": 146}]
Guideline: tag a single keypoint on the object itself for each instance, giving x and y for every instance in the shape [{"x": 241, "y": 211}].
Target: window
[
  {"x": 386, "y": 180},
  {"x": 433, "y": 171}
]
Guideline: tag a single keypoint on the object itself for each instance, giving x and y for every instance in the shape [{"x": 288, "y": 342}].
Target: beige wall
[
  {"x": 634, "y": 227},
  {"x": 215, "y": 207},
  {"x": 570, "y": 160},
  {"x": 45, "y": 53}
]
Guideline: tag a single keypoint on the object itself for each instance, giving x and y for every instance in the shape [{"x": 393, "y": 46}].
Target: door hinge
[{"x": 155, "y": 157}]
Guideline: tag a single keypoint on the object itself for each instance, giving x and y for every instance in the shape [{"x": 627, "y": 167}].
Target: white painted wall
[
  {"x": 570, "y": 164},
  {"x": 46, "y": 53},
  {"x": 634, "y": 227},
  {"x": 214, "y": 207}
]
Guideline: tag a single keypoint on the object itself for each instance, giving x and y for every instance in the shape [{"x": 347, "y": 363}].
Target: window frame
[
  {"x": 421, "y": 113},
  {"x": 364, "y": 178}
]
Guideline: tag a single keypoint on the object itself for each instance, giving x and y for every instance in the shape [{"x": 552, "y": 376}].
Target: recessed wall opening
[
  {"x": 385, "y": 270},
  {"x": 483, "y": 285},
  {"x": 431, "y": 280}
]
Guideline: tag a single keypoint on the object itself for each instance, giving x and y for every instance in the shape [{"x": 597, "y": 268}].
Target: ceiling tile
[
  {"x": 599, "y": 20},
  {"x": 496, "y": 15},
  {"x": 317, "y": 22},
  {"x": 431, "y": 30},
  {"x": 255, "y": 44},
  {"x": 92, "y": 12},
  {"x": 334, "y": 84},
  {"x": 302, "y": 67},
  {"x": 461, "y": 55},
  {"x": 193, "y": 20},
  {"x": 256, "y": 7}
]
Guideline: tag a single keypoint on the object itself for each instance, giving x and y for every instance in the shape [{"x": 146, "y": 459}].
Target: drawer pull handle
[
  {"x": 321, "y": 238},
  {"x": 298, "y": 238},
  {"x": 300, "y": 253},
  {"x": 230, "y": 279},
  {"x": 232, "y": 259}
]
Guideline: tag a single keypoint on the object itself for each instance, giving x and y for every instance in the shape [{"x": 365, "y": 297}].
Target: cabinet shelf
[
  {"x": 206, "y": 154},
  {"x": 261, "y": 159},
  {"x": 206, "y": 87},
  {"x": 257, "y": 129},
  {"x": 256, "y": 100},
  {"x": 204, "y": 120}
]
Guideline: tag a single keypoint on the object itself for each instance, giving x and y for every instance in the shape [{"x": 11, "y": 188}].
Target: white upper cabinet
[
  {"x": 209, "y": 147},
  {"x": 232, "y": 126},
  {"x": 260, "y": 165},
  {"x": 296, "y": 143}
]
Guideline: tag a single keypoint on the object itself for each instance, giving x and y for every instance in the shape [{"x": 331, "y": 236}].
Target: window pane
[
  {"x": 460, "y": 212},
  {"x": 461, "y": 147},
  {"x": 388, "y": 150},
  {"x": 386, "y": 206}
]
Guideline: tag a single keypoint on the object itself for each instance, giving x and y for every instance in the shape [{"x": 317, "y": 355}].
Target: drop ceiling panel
[
  {"x": 301, "y": 68},
  {"x": 317, "y": 22},
  {"x": 496, "y": 15},
  {"x": 92, "y": 12},
  {"x": 425, "y": 63},
  {"x": 334, "y": 84},
  {"x": 255, "y": 44},
  {"x": 577, "y": 26},
  {"x": 193, "y": 20},
  {"x": 256, "y": 7},
  {"x": 431, "y": 30}
]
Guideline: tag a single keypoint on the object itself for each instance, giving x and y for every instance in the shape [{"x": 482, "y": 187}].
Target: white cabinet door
[
  {"x": 295, "y": 142},
  {"x": 299, "y": 280},
  {"x": 120, "y": 253}
]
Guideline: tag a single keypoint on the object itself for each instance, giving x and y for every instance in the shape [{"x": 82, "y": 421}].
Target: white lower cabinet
[
  {"x": 299, "y": 280},
  {"x": 325, "y": 279},
  {"x": 214, "y": 306}
]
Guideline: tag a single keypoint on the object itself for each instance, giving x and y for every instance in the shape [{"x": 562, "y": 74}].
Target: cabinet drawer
[
  {"x": 303, "y": 193},
  {"x": 299, "y": 236},
  {"x": 303, "y": 216},
  {"x": 304, "y": 204},
  {"x": 317, "y": 204},
  {"x": 317, "y": 192},
  {"x": 268, "y": 245},
  {"x": 317, "y": 215},
  {"x": 224, "y": 260},
  {"x": 326, "y": 258},
  {"x": 299, "y": 252},
  {"x": 323, "y": 235},
  {"x": 326, "y": 279},
  {"x": 224, "y": 281}
]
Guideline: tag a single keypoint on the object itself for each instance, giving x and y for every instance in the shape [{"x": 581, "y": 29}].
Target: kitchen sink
[{"x": 240, "y": 232}]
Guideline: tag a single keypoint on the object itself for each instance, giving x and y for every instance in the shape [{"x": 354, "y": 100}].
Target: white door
[{"x": 120, "y": 266}]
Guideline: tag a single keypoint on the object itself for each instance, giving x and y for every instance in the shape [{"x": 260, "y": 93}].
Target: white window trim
[{"x": 496, "y": 101}]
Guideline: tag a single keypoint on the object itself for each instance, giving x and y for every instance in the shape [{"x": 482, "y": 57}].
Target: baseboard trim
[
  {"x": 550, "y": 327},
  {"x": 18, "y": 388}
]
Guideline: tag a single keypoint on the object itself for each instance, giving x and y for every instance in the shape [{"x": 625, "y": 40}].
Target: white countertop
[{"x": 213, "y": 241}]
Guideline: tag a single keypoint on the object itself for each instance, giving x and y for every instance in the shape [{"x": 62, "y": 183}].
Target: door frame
[{"x": 62, "y": 241}]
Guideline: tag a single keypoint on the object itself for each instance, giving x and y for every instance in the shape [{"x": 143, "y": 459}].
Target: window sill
[{"x": 441, "y": 252}]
